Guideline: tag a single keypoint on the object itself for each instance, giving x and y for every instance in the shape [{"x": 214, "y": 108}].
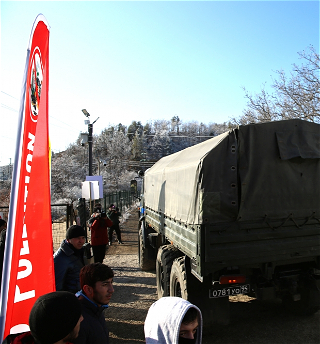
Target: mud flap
[{"x": 215, "y": 311}]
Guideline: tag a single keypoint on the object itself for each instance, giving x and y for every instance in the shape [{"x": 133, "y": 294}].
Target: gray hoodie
[{"x": 163, "y": 321}]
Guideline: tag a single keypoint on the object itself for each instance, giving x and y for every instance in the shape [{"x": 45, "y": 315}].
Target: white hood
[{"x": 164, "y": 319}]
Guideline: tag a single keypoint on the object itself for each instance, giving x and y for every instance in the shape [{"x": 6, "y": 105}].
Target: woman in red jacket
[{"x": 99, "y": 237}]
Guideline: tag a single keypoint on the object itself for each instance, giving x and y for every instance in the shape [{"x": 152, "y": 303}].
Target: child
[{"x": 172, "y": 320}]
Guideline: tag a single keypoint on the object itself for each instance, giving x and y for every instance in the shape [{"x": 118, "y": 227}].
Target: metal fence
[
  {"x": 120, "y": 199},
  {"x": 64, "y": 215}
]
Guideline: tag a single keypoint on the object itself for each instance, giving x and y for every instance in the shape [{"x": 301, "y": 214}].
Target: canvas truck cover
[{"x": 258, "y": 171}]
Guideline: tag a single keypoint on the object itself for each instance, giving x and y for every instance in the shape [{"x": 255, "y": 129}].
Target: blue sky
[{"x": 149, "y": 60}]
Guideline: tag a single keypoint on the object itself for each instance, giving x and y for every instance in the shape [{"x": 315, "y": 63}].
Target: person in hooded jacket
[{"x": 173, "y": 320}]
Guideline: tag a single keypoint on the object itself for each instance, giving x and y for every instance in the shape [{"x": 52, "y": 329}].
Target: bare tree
[
  {"x": 295, "y": 96},
  {"x": 68, "y": 170},
  {"x": 161, "y": 144},
  {"x": 5, "y": 187},
  {"x": 175, "y": 123},
  {"x": 119, "y": 153}
]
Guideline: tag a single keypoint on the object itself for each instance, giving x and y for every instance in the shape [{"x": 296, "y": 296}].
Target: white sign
[
  {"x": 90, "y": 190},
  {"x": 100, "y": 181}
]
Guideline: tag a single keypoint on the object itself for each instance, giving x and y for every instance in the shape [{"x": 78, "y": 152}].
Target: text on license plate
[{"x": 230, "y": 291}]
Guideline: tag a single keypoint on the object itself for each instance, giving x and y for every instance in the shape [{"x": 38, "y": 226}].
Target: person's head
[
  {"x": 98, "y": 206},
  {"x": 3, "y": 224},
  {"x": 96, "y": 281},
  {"x": 189, "y": 326},
  {"x": 76, "y": 236},
  {"x": 55, "y": 318},
  {"x": 173, "y": 320},
  {"x": 111, "y": 206}
]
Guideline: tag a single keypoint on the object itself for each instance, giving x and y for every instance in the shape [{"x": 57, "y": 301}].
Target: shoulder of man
[
  {"x": 64, "y": 250},
  {"x": 19, "y": 338},
  {"x": 88, "y": 326}
]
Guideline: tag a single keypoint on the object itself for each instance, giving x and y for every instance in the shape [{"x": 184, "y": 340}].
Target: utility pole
[{"x": 90, "y": 130}]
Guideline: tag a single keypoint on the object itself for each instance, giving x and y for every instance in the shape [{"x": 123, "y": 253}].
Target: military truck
[{"x": 237, "y": 214}]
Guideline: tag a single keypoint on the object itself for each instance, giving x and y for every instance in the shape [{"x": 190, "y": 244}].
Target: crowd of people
[
  {"x": 74, "y": 313},
  {"x": 71, "y": 255},
  {"x": 63, "y": 317}
]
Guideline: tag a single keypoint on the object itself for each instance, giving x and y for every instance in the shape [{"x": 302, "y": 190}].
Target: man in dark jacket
[
  {"x": 114, "y": 214},
  {"x": 69, "y": 259},
  {"x": 96, "y": 290}
]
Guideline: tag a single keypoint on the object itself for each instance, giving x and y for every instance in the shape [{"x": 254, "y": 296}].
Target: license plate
[{"x": 230, "y": 291}]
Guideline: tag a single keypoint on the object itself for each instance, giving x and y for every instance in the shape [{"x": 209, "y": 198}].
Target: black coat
[
  {"x": 67, "y": 266},
  {"x": 114, "y": 217},
  {"x": 93, "y": 328}
]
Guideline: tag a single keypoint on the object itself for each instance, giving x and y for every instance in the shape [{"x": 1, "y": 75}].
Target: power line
[
  {"x": 58, "y": 126},
  {"x": 8, "y": 108},
  {"x": 9, "y": 95},
  {"x": 7, "y": 137},
  {"x": 61, "y": 121}
]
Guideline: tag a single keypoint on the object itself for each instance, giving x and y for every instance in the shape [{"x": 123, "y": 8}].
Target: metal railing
[
  {"x": 120, "y": 199},
  {"x": 63, "y": 215}
]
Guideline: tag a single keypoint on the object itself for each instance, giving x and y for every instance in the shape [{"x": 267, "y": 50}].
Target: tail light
[{"x": 232, "y": 279}]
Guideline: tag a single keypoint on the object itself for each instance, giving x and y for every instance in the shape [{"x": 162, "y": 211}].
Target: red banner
[{"x": 28, "y": 270}]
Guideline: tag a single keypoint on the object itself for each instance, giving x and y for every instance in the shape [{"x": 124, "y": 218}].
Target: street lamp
[
  {"x": 90, "y": 129},
  {"x": 86, "y": 113},
  {"x": 104, "y": 162}
]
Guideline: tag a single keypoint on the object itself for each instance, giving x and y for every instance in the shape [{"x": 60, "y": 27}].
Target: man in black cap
[
  {"x": 114, "y": 214},
  {"x": 69, "y": 259},
  {"x": 54, "y": 319}
]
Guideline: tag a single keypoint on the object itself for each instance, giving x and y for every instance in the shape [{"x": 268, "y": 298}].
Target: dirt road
[{"x": 252, "y": 322}]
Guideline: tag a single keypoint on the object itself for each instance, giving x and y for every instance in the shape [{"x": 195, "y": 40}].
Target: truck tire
[
  {"x": 183, "y": 284},
  {"x": 145, "y": 252},
  {"x": 309, "y": 302},
  {"x": 165, "y": 257},
  {"x": 178, "y": 279}
]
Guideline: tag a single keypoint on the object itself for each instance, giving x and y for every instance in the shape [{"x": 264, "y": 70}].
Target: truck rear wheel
[
  {"x": 145, "y": 252},
  {"x": 165, "y": 257},
  {"x": 183, "y": 284}
]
